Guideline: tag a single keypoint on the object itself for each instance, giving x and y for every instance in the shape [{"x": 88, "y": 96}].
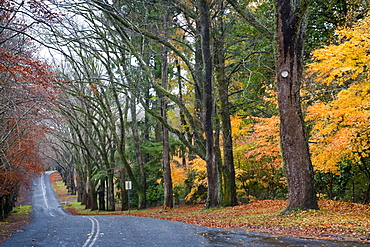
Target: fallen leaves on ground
[
  {"x": 60, "y": 189},
  {"x": 335, "y": 220}
]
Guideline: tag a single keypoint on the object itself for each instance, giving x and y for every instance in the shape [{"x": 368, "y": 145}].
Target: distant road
[{"x": 51, "y": 226}]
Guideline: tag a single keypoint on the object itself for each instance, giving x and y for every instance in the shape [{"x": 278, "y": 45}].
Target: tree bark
[
  {"x": 166, "y": 166},
  {"x": 227, "y": 174},
  {"x": 101, "y": 195},
  {"x": 111, "y": 205},
  {"x": 92, "y": 196},
  {"x": 212, "y": 174},
  {"x": 290, "y": 44},
  {"x": 139, "y": 154},
  {"x": 71, "y": 179},
  {"x": 185, "y": 128},
  {"x": 124, "y": 195}
]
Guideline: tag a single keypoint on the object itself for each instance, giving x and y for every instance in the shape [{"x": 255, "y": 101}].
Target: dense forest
[{"x": 198, "y": 101}]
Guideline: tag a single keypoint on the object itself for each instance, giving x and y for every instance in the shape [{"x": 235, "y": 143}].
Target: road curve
[{"x": 51, "y": 226}]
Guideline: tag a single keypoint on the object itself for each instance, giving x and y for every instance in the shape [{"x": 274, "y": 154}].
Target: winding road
[{"x": 51, "y": 226}]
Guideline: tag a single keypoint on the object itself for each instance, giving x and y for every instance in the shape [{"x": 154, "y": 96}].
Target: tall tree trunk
[
  {"x": 139, "y": 154},
  {"x": 71, "y": 179},
  {"x": 84, "y": 186},
  {"x": 185, "y": 128},
  {"x": 227, "y": 169},
  {"x": 166, "y": 166},
  {"x": 81, "y": 192},
  {"x": 92, "y": 196},
  {"x": 124, "y": 195},
  {"x": 111, "y": 206},
  {"x": 212, "y": 174},
  {"x": 290, "y": 43},
  {"x": 101, "y": 194},
  {"x": 198, "y": 87}
]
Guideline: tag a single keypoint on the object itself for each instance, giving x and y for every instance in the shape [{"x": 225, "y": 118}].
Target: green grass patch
[
  {"x": 59, "y": 183},
  {"x": 22, "y": 210}
]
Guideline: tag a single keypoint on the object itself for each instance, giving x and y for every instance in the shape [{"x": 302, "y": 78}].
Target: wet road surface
[{"x": 51, "y": 226}]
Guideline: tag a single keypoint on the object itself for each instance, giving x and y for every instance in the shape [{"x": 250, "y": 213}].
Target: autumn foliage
[
  {"x": 337, "y": 121},
  {"x": 340, "y": 120},
  {"x": 26, "y": 99}
]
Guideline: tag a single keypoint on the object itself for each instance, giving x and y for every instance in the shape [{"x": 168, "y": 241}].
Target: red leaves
[
  {"x": 335, "y": 220},
  {"x": 21, "y": 69},
  {"x": 341, "y": 207},
  {"x": 26, "y": 96}
]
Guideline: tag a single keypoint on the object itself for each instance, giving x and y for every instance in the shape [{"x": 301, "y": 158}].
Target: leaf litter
[{"x": 336, "y": 220}]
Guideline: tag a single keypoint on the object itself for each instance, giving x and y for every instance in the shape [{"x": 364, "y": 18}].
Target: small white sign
[{"x": 128, "y": 185}]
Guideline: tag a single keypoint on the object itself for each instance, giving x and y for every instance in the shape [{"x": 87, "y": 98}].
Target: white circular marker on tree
[{"x": 284, "y": 73}]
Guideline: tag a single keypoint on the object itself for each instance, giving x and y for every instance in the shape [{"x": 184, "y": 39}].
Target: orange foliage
[
  {"x": 257, "y": 154},
  {"x": 178, "y": 172},
  {"x": 258, "y": 143},
  {"x": 265, "y": 142},
  {"x": 20, "y": 161},
  {"x": 341, "y": 128}
]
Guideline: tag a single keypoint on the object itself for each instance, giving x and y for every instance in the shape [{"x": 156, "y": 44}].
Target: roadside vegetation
[
  {"x": 19, "y": 217},
  {"x": 335, "y": 220}
]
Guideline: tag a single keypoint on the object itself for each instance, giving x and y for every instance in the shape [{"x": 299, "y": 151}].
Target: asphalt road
[{"x": 51, "y": 226}]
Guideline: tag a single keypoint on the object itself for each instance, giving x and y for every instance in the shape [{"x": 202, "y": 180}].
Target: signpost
[{"x": 128, "y": 186}]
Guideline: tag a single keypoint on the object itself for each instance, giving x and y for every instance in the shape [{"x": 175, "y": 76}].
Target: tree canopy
[{"x": 215, "y": 102}]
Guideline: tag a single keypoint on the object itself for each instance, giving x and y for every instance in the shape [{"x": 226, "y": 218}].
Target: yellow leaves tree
[
  {"x": 340, "y": 128},
  {"x": 348, "y": 61},
  {"x": 198, "y": 168}
]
